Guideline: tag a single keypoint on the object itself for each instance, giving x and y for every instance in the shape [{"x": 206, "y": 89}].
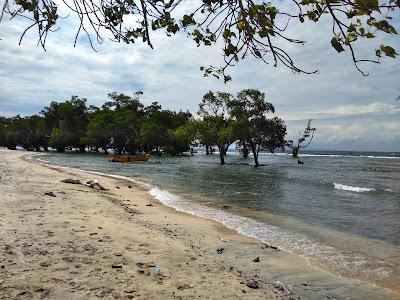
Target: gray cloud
[{"x": 348, "y": 109}]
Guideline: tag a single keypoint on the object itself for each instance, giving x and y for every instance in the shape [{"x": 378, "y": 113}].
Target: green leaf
[
  {"x": 336, "y": 44},
  {"x": 230, "y": 49},
  {"x": 389, "y": 51}
]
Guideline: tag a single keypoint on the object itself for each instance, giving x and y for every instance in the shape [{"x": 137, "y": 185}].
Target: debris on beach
[
  {"x": 72, "y": 181},
  {"x": 252, "y": 284},
  {"x": 222, "y": 238},
  {"x": 94, "y": 184},
  {"x": 257, "y": 259},
  {"x": 220, "y": 250},
  {"x": 184, "y": 286},
  {"x": 149, "y": 204},
  {"x": 283, "y": 288},
  {"x": 266, "y": 246},
  {"x": 51, "y": 194},
  {"x": 116, "y": 266}
]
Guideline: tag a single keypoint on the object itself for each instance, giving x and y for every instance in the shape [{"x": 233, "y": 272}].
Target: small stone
[
  {"x": 252, "y": 284},
  {"x": 226, "y": 207},
  {"x": 257, "y": 259},
  {"x": 184, "y": 286},
  {"x": 144, "y": 271},
  {"x": 51, "y": 194},
  {"x": 149, "y": 204},
  {"x": 129, "y": 186},
  {"x": 116, "y": 266},
  {"x": 45, "y": 264},
  {"x": 220, "y": 250}
]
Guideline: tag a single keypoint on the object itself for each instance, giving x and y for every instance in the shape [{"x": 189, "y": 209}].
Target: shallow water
[{"x": 340, "y": 211}]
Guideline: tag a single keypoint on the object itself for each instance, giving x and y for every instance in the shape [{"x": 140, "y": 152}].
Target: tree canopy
[
  {"x": 125, "y": 125},
  {"x": 243, "y": 27}
]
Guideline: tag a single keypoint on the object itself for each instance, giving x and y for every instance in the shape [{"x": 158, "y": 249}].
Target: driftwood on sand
[{"x": 94, "y": 184}]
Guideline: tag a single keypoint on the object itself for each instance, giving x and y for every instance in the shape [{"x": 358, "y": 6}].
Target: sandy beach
[{"x": 70, "y": 241}]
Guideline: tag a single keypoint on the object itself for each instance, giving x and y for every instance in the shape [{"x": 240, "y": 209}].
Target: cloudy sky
[{"x": 350, "y": 111}]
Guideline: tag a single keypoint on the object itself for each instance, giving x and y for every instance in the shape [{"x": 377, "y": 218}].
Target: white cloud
[
  {"x": 375, "y": 107},
  {"x": 30, "y": 78}
]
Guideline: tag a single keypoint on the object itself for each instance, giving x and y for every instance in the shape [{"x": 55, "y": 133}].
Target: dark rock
[
  {"x": 51, "y": 194},
  {"x": 226, "y": 207},
  {"x": 220, "y": 250},
  {"x": 305, "y": 284},
  {"x": 252, "y": 284},
  {"x": 116, "y": 266},
  {"x": 129, "y": 186},
  {"x": 143, "y": 271},
  {"x": 93, "y": 233},
  {"x": 257, "y": 259},
  {"x": 117, "y": 187},
  {"x": 149, "y": 204},
  {"x": 184, "y": 286}
]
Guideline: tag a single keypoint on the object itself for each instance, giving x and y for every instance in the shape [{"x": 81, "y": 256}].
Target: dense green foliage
[
  {"x": 264, "y": 30},
  {"x": 125, "y": 125}
]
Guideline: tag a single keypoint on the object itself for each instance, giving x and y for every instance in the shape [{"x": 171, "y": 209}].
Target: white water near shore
[
  {"x": 349, "y": 188},
  {"x": 327, "y": 257},
  {"x": 326, "y": 253}
]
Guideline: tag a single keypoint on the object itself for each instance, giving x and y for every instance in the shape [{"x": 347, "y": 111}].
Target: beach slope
[{"x": 71, "y": 241}]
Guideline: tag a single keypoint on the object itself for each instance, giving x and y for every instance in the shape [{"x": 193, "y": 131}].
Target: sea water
[{"x": 339, "y": 211}]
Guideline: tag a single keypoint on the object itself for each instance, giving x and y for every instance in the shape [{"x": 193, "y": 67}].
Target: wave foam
[
  {"x": 349, "y": 188},
  {"x": 292, "y": 242}
]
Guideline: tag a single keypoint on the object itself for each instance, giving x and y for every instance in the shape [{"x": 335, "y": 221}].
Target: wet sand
[{"x": 77, "y": 242}]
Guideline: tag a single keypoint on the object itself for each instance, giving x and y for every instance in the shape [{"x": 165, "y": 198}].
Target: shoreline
[
  {"x": 343, "y": 262},
  {"x": 204, "y": 236}
]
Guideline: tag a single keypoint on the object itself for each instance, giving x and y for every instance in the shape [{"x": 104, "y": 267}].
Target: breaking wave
[{"x": 349, "y": 188}]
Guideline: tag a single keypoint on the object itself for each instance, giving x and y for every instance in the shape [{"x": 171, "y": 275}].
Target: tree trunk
[
  {"x": 82, "y": 148},
  {"x": 295, "y": 152},
  {"x": 222, "y": 157},
  {"x": 255, "y": 154},
  {"x": 245, "y": 151}
]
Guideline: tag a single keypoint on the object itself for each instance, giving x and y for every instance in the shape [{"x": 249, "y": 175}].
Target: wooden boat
[
  {"x": 144, "y": 157},
  {"x": 125, "y": 158}
]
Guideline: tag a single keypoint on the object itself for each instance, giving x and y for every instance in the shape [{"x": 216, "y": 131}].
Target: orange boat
[{"x": 120, "y": 158}]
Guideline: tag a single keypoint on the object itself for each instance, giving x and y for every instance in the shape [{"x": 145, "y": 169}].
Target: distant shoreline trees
[{"x": 125, "y": 125}]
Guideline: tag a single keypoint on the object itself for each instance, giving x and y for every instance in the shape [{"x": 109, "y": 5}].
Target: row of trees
[
  {"x": 122, "y": 124},
  {"x": 125, "y": 125}
]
